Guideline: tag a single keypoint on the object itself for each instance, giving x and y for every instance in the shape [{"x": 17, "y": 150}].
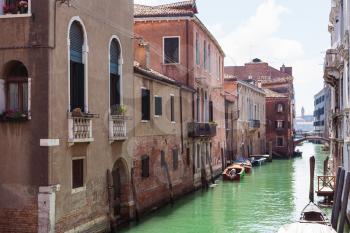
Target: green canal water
[{"x": 271, "y": 196}]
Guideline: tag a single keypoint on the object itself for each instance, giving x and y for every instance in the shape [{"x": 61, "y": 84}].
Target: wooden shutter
[
  {"x": 158, "y": 106},
  {"x": 211, "y": 113},
  {"x": 2, "y": 96},
  {"x": 145, "y": 108},
  {"x": 77, "y": 173},
  {"x": 172, "y": 110},
  {"x": 77, "y": 85},
  {"x": 175, "y": 159},
  {"x": 29, "y": 98},
  {"x": 145, "y": 166}
]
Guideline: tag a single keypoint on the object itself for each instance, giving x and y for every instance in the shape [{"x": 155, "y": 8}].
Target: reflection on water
[{"x": 271, "y": 196}]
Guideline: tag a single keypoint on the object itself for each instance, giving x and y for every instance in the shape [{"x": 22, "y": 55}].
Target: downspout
[
  {"x": 181, "y": 122},
  {"x": 187, "y": 54}
]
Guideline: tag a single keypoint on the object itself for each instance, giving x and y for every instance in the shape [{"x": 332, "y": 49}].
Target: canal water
[{"x": 271, "y": 196}]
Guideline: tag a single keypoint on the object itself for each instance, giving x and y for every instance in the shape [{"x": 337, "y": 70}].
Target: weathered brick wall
[{"x": 24, "y": 220}]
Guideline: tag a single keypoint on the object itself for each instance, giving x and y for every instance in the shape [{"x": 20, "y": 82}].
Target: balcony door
[{"x": 115, "y": 76}]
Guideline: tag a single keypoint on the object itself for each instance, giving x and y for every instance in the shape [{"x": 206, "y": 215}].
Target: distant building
[
  {"x": 280, "y": 81},
  {"x": 278, "y": 124},
  {"x": 250, "y": 127},
  {"x": 321, "y": 113},
  {"x": 304, "y": 123}
]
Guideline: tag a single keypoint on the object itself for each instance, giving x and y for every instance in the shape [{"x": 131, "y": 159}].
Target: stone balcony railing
[
  {"x": 200, "y": 129},
  {"x": 79, "y": 129},
  {"x": 117, "y": 128},
  {"x": 332, "y": 66}
]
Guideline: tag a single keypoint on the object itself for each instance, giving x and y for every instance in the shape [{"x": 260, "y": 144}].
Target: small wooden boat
[
  {"x": 297, "y": 154},
  {"x": 313, "y": 214},
  {"x": 233, "y": 172},
  {"x": 257, "y": 161},
  {"x": 245, "y": 163}
]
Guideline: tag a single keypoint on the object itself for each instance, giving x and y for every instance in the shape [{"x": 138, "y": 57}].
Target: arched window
[
  {"x": 280, "y": 107},
  {"x": 115, "y": 76},
  {"x": 15, "y": 89},
  {"x": 77, "y": 67}
]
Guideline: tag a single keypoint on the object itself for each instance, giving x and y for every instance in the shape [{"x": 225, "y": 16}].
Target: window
[
  {"x": 198, "y": 156},
  {"x": 162, "y": 159},
  {"x": 172, "y": 108},
  {"x": 15, "y": 7},
  {"x": 171, "y": 50},
  {"x": 175, "y": 159},
  {"x": 114, "y": 77},
  {"x": 145, "y": 105},
  {"x": 145, "y": 166},
  {"x": 280, "y": 108},
  {"x": 197, "y": 50},
  {"x": 280, "y": 124},
  {"x": 188, "y": 158},
  {"x": 77, "y": 67},
  {"x": 205, "y": 55},
  {"x": 211, "y": 112},
  {"x": 158, "y": 106},
  {"x": 209, "y": 59},
  {"x": 280, "y": 141},
  {"x": 77, "y": 173},
  {"x": 197, "y": 106},
  {"x": 15, "y": 89}
]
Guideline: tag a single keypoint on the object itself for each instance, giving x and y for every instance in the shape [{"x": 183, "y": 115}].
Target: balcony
[
  {"x": 196, "y": 129},
  {"x": 254, "y": 124},
  {"x": 80, "y": 128},
  {"x": 332, "y": 66},
  {"x": 117, "y": 128}
]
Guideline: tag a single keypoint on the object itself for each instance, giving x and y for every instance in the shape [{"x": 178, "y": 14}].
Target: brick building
[
  {"x": 278, "y": 127},
  {"x": 182, "y": 48},
  {"x": 64, "y": 89},
  {"x": 277, "y": 80}
]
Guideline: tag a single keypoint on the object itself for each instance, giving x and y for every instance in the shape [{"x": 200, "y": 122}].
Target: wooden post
[
  {"x": 337, "y": 203},
  {"x": 335, "y": 192},
  {"x": 134, "y": 194},
  {"x": 344, "y": 203},
  {"x": 312, "y": 174},
  {"x": 325, "y": 166},
  {"x": 270, "y": 151}
]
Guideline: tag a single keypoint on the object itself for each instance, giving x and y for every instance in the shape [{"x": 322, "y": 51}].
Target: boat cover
[{"x": 306, "y": 228}]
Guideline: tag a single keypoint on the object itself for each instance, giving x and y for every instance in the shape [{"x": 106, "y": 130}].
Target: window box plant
[
  {"x": 13, "y": 116},
  {"x": 23, "y": 7}
]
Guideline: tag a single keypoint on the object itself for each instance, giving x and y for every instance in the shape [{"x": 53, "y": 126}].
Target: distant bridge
[{"x": 307, "y": 137}]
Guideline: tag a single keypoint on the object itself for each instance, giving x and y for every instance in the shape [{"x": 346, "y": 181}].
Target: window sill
[
  {"x": 7, "y": 16},
  {"x": 173, "y": 122},
  {"x": 144, "y": 121},
  {"x": 14, "y": 119},
  {"x": 157, "y": 116},
  {"x": 170, "y": 64},
  {"x": 78, "y": 190}
]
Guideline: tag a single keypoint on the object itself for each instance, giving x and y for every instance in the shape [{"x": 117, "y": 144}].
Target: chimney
[
  {"x": 287, "y": 70},
  {"x": 142, "y": 54}
]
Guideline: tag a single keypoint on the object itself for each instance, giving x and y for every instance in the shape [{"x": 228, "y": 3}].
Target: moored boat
[
  {"x": 257, "y": 161},
  {"x": 313, "y": 214},
  {"x": 233, "y": 172},
  {"x": 245, "y": 163}
]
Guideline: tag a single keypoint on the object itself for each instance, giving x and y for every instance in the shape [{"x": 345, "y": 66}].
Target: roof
[
  {"x": 174, "y": 11},
  {"x": 185, "y": 8},
  {"x": 258, "y": 70},
  {"x": 273, "y": 94},
  {"x": 256, "y": 88},
  {"x": 152, "y": 74}
]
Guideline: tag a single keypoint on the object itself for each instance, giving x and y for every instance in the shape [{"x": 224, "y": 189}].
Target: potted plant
[
  {"x": 119, "y": 110},
  {"x": 23, "y": 7},
  {"x": 13, "y": 115}
]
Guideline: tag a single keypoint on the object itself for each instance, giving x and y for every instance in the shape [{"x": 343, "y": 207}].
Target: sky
[{"x": 290, "y": 32}]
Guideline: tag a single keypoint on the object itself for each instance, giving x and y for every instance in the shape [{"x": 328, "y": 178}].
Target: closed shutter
[
  {"x": 2, "y": 96},
  {"x": 145, "y": 108},
  {"x": 172, "y": 110},
  {"x": 145, "y": 166},
  {"x": 77, "y": 85},
  {"x": 76, "y": 37},
  {"x": 158, "y": 106}
]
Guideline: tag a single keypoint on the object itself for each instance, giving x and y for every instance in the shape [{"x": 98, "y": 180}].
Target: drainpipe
[
  {"x": 181, "y": 122},
  {"x": 187, "y": 54}
]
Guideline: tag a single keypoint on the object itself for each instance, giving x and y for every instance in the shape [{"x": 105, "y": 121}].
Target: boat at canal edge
[
  {"x": 313, "y": 214},
  {"x": 257, "y": 161},
  {"x": 234, "y": 172},
  {"x": 245, "y": 163}
]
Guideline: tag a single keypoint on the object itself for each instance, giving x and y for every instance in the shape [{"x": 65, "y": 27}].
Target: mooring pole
[
  {"x": 312, "y": 174},
  {"x": 344, "y": 203},
  {"x": 325, "y": 166}
]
